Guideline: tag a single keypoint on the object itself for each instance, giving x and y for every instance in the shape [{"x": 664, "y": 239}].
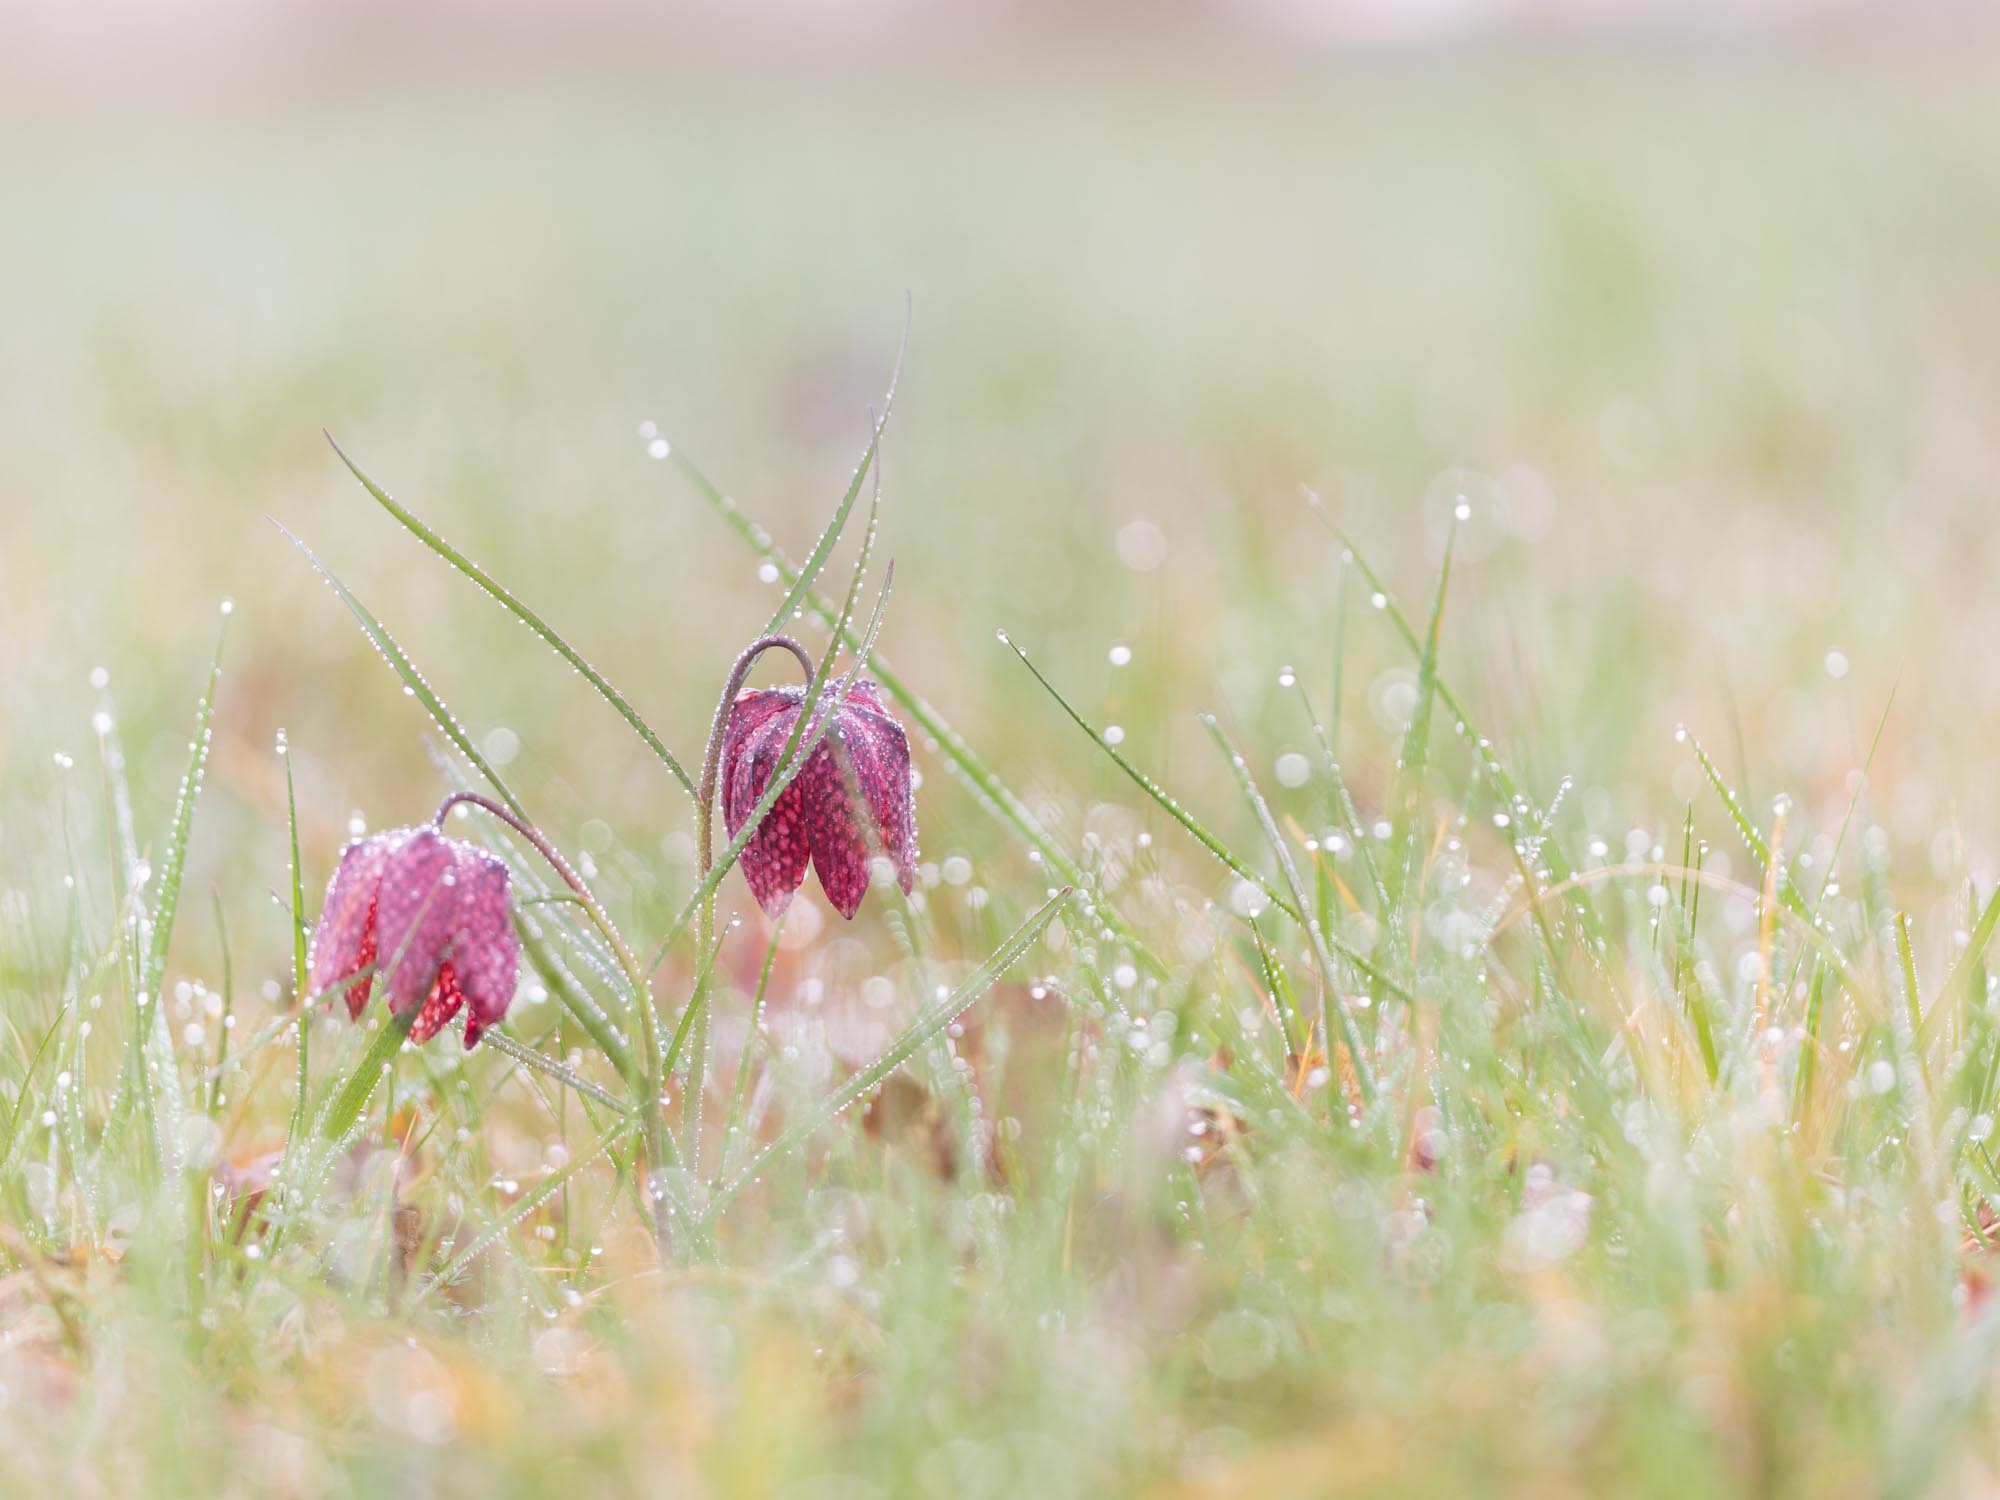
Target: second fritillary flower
[
  {"x": 852, "y": 801},
  {"x": 433, "y": 916}
]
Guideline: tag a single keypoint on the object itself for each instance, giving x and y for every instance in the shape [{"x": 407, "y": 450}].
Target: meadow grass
[{"x": 1507, "y": 1015}]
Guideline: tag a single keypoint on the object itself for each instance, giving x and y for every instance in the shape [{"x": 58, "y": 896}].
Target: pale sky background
[{"x": 71, "y": 41}]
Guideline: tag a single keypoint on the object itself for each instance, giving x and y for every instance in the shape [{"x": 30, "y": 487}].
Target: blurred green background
[{"x": 1708, "y": 333}]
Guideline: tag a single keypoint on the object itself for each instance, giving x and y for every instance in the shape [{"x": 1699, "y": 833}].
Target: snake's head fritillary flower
[
  {"x": 838, "y": 816},
  {"x": 433, "y": 916}
]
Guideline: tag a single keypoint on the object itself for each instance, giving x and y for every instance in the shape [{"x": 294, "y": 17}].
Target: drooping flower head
[
  {"x": 838, "y": 816},
  {"x": 433, "y": 916}
]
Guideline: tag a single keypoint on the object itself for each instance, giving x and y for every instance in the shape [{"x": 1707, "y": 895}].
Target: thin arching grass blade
[
  {"x": 1490, "y": 764},
  {"x": 513, "y": 604},
  {"x": 154, "y": 1046},
  {"x": 344, "y": 1108},
  {"x": 562, "y": 1072},
  {"x": 272, "y": 1029},
  {"x": 412, "y": 678},
  {"x": 802, "y": 583},
  {"x": 1332, "y": 1005},
  {"x": 1417, "y": 739},
  {"x": 742, "y": 1090},
  {"x": 21, "y": 1097},
  {"x": 578, "y": 1001},
  {"x": 913, "y": 1036},
  {"x": 1965, "y": 970},
  {"x": 299, "y": 975},
  {"x": 532, "y": 1200},
  {"x": 1168, "y": 803}
]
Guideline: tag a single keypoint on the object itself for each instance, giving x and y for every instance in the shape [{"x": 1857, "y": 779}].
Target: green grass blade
[
  {"x": 1967, "y": 970},
  {"x": 914, "y": 1036},
  {"x": 541, "y": 1062},
  {"x": 802, "y": 583},
  {"x": 156, "y": 1068},
  {"x": 300, "y": 979},
  {"x": 21, "y": 1097},
  {"x": 343, "y": 1110},
  {"x": 532, "y": 1200},
  {"x": 222, "y": 1021},
  {"x": 579, "y": 1002},
  {"x": 514, "y": 605},
  {"x": 1332, "y": 1005},
  {"x": 1168, "y": 803},
  {"x": 412, "y": 678},
  {"x": 1415, "y": 755},
  {"x": 742, "y": 1090}
]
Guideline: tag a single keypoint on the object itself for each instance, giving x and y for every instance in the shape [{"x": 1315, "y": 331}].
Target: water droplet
[{"x": 1121, "y": 654}]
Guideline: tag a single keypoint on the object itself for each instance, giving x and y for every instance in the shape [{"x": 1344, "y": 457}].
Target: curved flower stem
[
  {"x": 711, "y": 761},
  {"x": 711, "y": 766},
  {"x": 647, "y": 1102},
  {"x": 561, "y": 866}
]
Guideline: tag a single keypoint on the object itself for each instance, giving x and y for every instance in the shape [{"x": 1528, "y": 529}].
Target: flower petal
[
  {"x": 774, "y": 861},
  {"x": 840, "y": 847},
  {"x": 344, "y": 941},
  {"x": 880, "y": 754},
  {"x": 486, "y": 957},
  {"x": 417, "y": 915},
  {"x": 440, "y": 1006}
]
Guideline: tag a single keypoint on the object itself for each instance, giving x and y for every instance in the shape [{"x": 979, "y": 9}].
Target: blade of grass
[
  {"x": 1411, "y": 762},
  {"x": 802, "y": 584},
  {"x": 21, "y": 1097},
  {"x": 579, "y": 1002},
  {"x": 1332, "y": 1005},
  {"x": 1168, "y": 803},
  {"x": 737, "y": 1097},
  {"x": 156, "y": 1061},
  {"x": 394, "y": 655},
  {"x": 562, "y": 1072},
  {"x": 343, "y": 1110},
  {"x": 1967, "y": 970},
  {"x": 513, "y": 604},
  {"x": 1295, "y": 906},
  {"x": 299, "y": 957},
  {"x": 1910, "y": 997},
  {"x": 224, "y": 1020},
  {"x": 914, "y": 1036},
  {"x": 532, "y": 1200}
]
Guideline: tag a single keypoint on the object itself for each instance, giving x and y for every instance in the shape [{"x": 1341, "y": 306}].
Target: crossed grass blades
[{"x": 1571, "y": 1035}]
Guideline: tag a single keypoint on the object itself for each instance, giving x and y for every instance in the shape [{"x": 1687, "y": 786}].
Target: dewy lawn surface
[{"x": 1534, "y": 1038}]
